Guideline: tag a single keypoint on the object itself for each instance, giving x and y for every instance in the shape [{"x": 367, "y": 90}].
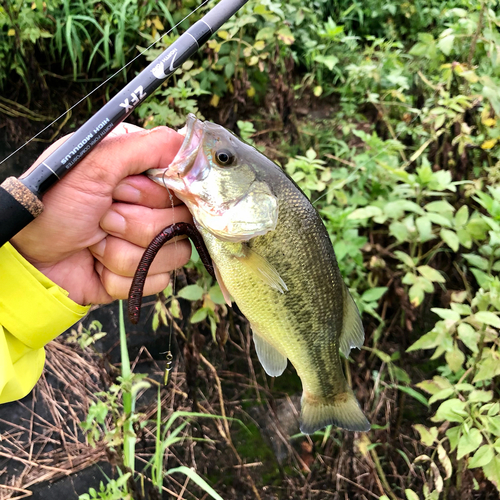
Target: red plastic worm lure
[{"x": 178, "y": 229}]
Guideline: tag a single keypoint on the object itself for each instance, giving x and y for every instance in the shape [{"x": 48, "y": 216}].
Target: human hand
[{"x": 100, "y": 217}]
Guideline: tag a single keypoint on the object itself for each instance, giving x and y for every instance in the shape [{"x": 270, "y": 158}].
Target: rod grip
[{"x": 18, "y": 207}]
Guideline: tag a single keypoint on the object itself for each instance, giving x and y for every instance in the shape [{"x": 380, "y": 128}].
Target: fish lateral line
[{"x": 165, "y": 235}]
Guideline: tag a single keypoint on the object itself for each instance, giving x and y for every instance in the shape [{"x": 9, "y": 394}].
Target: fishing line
[
  {"x": 105, "y": 81},
  {"x": 168, "y": 352}
]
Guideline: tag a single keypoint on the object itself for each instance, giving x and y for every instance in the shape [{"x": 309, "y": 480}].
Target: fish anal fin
[
  {"x": 222, "y": 286},
  {"x": 270, "y": 358},
  {"x": 262, "y": 268},
  {"x": 342, "y": 411},
  {"x": 353, "y": 334}
]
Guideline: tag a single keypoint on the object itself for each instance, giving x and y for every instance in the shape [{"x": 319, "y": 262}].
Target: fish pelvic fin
[
  {"x": 343, "y": 411},
  {"x": 270, "y": 358},
  {"x": 262, "y": 268},
  {"x": 353, "y": 334}
]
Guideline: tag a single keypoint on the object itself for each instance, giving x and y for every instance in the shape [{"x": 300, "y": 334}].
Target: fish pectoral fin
[
  {"x": 262, "y": 268},
  {"x": 222, "y": 286},
  {"x": 342, "y": 410},
  {"x": 353, "y": 334},
  {"x": 270, "y": 358}
]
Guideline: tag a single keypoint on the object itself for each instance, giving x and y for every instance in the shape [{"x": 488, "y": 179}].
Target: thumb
[
  {"x": 126, "y": 150},
  {"x": 132, "y": 153}
]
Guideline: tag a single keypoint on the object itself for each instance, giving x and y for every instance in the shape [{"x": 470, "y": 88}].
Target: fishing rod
[{"x": 20, "y": 199}]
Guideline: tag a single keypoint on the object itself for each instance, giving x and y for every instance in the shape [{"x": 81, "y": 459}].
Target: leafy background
[{"x": 387, "y": 114}]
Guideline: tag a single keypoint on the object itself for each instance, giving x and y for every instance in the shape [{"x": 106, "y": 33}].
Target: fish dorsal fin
[
  {"x": 271, "y": 359},
  {"x": 263, "y": 269},
  {"x": 353, "y": 334},
  {"x": 222, "y": 286}
]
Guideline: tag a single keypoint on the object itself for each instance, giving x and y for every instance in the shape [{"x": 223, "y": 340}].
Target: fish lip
[
  {"x": 175, "y": 175},
  {"x": 193, "y": 132}
]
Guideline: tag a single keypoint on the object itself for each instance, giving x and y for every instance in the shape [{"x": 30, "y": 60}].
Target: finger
[
  {"x": 140, "y": 190},
  {"x": 139, "y": 225},
  {"x": 131, "y": 154},
  {"x": 121, "y": 128},
  {"x": 122, "y": 258},
  {"x": 118, "y": 286}
]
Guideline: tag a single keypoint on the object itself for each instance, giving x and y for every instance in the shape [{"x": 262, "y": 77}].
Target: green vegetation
[{"x": 387, "y": 114}]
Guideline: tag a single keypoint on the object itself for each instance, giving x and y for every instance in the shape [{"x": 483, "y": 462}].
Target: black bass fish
[{"x": 273, "y": 256}]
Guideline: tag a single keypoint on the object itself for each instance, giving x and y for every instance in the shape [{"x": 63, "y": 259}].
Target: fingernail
[
  {"x": 113, "y": 222},
  {"x": 99, "y": 248},
  {"x": 125, "y": 192}
]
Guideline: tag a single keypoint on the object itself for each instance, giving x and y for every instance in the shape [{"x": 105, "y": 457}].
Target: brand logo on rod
[{"x": 135, "y": 98}]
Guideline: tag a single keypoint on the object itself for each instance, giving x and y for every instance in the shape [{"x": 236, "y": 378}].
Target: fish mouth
[{"x": 180, "y": 174}]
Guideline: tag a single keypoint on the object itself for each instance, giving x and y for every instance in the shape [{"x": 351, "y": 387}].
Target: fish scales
[{"x": 282, "y": 273}]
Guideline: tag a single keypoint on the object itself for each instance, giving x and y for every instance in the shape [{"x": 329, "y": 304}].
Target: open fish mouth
[{"x": 179, "y": 174}]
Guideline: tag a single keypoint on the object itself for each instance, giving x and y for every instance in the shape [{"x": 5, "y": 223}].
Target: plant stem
[{"x": 128, "y": 429}]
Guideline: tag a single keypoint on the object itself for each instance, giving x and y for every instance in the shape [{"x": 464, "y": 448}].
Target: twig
[
  {"x": 476, "y": 34},
  {"x": 226, "y": 425}
]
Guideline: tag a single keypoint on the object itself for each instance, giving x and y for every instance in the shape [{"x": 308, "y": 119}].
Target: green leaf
[
  {"x": 488, "y": 368},
  {"x": 446, "y": 313},
  {"x": 427, "y": 436},
  {"x": 191, "y": 474},
  {"x": 373, "y": 294},
  {"x": 439, "y": 207},
  {"x": 455, "y": 359},
  {"x": 462, "y": 309},
  {"x": 386, "y": 358},
  {"x": 450, "y": 238},
  {"x": 462, "y": 216},
  {"x": 429, "y": 386},
  {"x": 328, "y": 61},
  {"x": 446, "y": 44},
  {"x": 399, "y": 231},
  {"x": 175, "y": 308},
  {"x": 424, "y": 227},
  {"x": 477, "y": 228},
  {"x": 200, "y": 315},
  {"x": 439, "y": 219},
  {"x": 464, "y": 237},
  {"x": 453, "y": 436},
  {"x": 404, "y": 258},
  {"x": 411, "y": 495},
  {"x": 476, "y": 260},
  {"x": 492, "y": 471},
  {"x": 365, "y": 212},
  {"x": 396, "y": 209},
  {"x": 452, "y": 410},
  {"x": 216, "y": 294},
  {"x": 478, "y": 396},
  {"x": 427, "y": 341},
  {"x": 400, "y": 374},
  {"x": 168, "y": 291},
  {"x": 414, "y": 394},
  {"x": 442, "y": 394},
  {"x": 431, "y": 274},
  {"x": 416, "y": 294},
  {"x": 468, "y": 336},
  {"x": 191, "y": 292},
  {"x": 482, "y": 457},
  {"x": 469, "y": 442},
  {"x": 488, "y": 318},
  {"x": 482, "y": 278}
]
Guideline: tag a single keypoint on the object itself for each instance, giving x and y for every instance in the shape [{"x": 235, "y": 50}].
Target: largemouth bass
[{"x": 273, "y": 256}]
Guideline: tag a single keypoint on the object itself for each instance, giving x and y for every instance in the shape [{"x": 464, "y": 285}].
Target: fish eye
[{"x": 224, "y": 157}]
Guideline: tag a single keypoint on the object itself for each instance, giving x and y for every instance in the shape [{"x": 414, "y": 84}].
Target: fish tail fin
[{"x": 343, "y": 411}]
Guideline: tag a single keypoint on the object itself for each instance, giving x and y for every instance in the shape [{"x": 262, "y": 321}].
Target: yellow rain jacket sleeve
[{"x": 33, "y": 311}]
